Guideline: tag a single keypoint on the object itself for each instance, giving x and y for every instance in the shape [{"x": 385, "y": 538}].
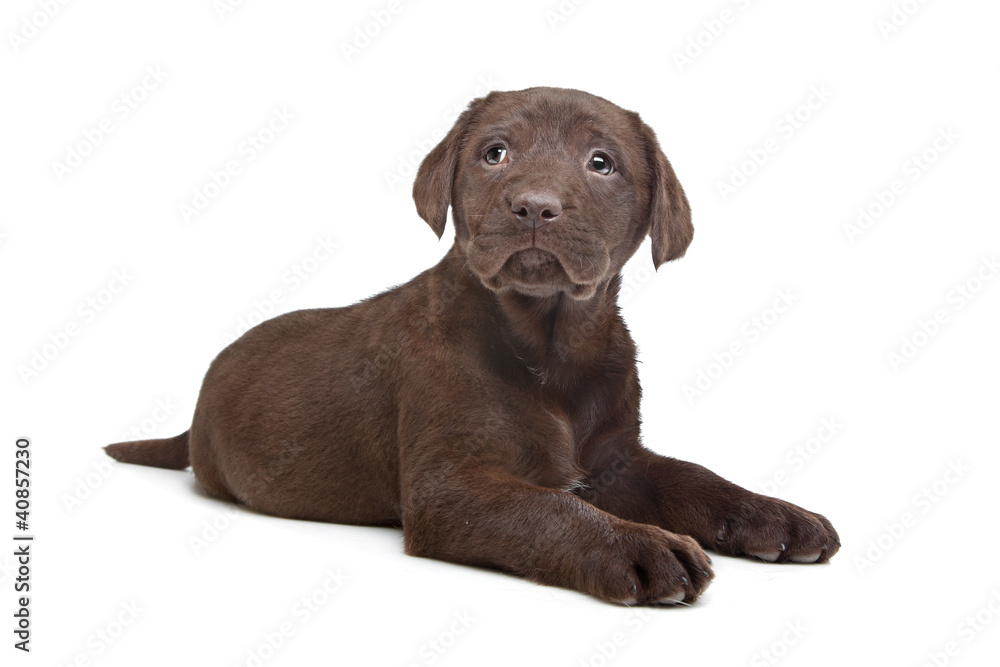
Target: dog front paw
[
  {"x": 775, "y": 531},
  {"x": 647, "y": 565}
]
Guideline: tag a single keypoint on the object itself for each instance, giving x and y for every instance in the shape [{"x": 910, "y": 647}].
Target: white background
[{"x": 109, "y": 536}]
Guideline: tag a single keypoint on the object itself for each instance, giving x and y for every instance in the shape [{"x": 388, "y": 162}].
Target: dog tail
[{"x": 169, "y": 453}]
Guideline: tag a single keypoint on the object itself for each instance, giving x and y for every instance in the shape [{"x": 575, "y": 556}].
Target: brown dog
[{"x": 490, "y": 406}]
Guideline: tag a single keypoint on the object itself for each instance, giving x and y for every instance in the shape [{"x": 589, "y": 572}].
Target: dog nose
[{"x": 535, "y": 209}]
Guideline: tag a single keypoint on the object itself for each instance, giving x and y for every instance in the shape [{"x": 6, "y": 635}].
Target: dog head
[{"x": 552, "y": 190}]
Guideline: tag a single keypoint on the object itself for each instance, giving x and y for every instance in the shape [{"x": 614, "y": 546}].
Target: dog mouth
[
  {"x": 536, "y": 271},
  {"x": 533, "y": 271}
]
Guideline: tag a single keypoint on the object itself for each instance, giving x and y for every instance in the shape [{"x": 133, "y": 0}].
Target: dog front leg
[
  {"x": 486, "y": 517},
  {"x": 639, "y": 485}
]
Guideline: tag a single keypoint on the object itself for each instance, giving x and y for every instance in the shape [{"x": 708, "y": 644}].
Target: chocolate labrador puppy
[{"x": 490, "y": 406}]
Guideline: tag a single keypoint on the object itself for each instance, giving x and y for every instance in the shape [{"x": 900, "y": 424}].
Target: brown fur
[{"x": 490, "y": 406}]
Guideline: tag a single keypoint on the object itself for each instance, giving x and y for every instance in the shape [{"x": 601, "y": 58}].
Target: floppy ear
[
  {"x": 432, "y": 187},
  {"x": 669, "y": 212}
]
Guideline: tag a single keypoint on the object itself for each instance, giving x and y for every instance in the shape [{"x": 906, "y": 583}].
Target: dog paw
[
  {"x": 650, "y": 566},
  {"x": 775, "y": 531}
]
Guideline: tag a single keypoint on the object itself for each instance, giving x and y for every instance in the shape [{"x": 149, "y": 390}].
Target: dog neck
[
  {"x": 559, "y": 336},
  {"x": 558, "y": 330}
]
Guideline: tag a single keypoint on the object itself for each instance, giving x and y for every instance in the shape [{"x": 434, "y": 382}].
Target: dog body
[{"x": 490, "y": 406}]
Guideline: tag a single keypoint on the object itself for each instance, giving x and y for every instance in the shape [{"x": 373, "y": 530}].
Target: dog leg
[
  {"x": 688, "y": 499},
  {"x": 486, "y": 517}
]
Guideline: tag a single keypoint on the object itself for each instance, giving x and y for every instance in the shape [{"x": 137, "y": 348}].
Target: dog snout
[{"x": 535, "y": 209}]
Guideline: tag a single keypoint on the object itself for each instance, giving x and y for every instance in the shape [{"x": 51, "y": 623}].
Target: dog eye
[
  {"x": 496, "y": 155},
  {"x": 601, "y": 163}
]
